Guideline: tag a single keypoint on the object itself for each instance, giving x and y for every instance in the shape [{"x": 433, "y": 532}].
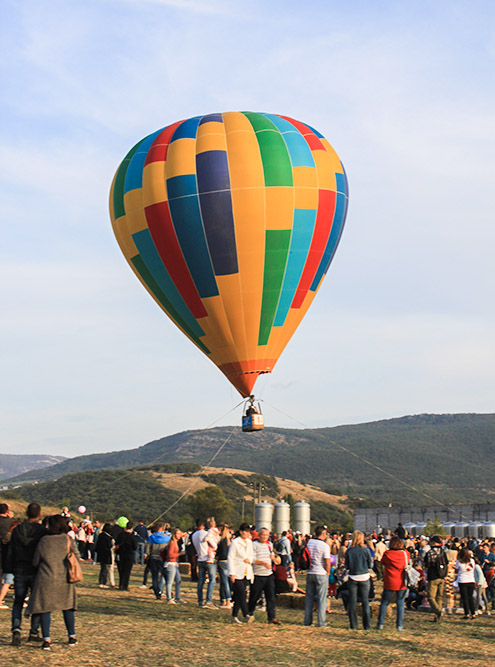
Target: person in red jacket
[{"x": 394, "y": 562}]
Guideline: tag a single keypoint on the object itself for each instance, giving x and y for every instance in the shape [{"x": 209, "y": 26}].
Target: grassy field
[{"x": 128, "y": 629}]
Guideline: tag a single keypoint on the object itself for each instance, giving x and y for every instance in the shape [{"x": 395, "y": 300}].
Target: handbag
[{"x": 74, "y": 570}]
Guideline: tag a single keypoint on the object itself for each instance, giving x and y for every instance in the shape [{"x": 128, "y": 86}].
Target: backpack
[
  {"x": 305, "y": 559},
  {"x": 437, "y": 564}
]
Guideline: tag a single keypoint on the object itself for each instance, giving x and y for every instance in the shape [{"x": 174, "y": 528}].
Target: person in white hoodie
[{"x": 240, "y": 563}]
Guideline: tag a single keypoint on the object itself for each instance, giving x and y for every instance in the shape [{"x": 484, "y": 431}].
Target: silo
[
  {"x": 281, "y": 517},
  {"x": 410, "y": 527},
  {"x": 263, "y": 514},
  {"x": 448, "y": 526},
  {"x": 475, "y": 529},
  {"x": 488, "y": 529},
  {"x": 419, "y": 528},
  {"x": 461, "y": 529},
  {"x": 302, "y": 517}
]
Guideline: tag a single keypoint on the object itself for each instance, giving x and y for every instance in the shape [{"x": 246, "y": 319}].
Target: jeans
[
  {"x": 364, "y": 589},
  {"x": 386, "y": 597},
  {"x": 316, "y": 587},
  {"x": 203, "y": 568},
  {"x": 69, "y": 620},
  {"x": 435, "y": 594},
  {"x": 481, "y": 595},
  {"x": 223, "y": 571},
  {"x": 266, "y": 584},
  {"x": 139, "y": 555},
  {"x": 172, "y": 574},
  {"x": 156, "y": 566},
  {"x": 22, "y": 584}
]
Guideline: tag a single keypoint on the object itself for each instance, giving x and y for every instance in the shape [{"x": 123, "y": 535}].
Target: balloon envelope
[{"x": 230, "y": 221}]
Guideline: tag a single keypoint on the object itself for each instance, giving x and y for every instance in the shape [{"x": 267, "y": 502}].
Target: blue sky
[{"x": 404, "y": 322}]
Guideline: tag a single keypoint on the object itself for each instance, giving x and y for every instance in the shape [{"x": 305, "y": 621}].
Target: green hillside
[
  {"x": 147, "y": 493},
  {"x": 448, "y": 457}
]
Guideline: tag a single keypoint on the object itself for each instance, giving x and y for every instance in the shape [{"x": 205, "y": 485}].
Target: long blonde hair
[
  {"x": 357, "y": 539},
  {"x": 225, "y": 532}
]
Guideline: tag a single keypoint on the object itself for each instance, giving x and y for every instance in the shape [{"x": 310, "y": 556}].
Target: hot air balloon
[{"x": 230, "y": 221}]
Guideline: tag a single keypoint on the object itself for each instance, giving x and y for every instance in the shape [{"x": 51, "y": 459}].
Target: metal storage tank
[
  {"x": 410, "y": 527},
  {"x": 448, "y": 526},
  {"x": 475, "y": 529},
  {"x": 302, "y": 517},
  {"x": 461, "y": 529},
  {"x": 281, "y": 517},
  {"x": 488, "y": 529},
  {"x": 419, "y": 528},
  {"x": 263, "y": 514}
]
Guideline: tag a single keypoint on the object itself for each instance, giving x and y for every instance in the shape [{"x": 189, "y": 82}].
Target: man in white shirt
[
  {"x": 199, "y": 540},
  {"x": 317, "y": 577},
  {"x": 264, "y": 579}
]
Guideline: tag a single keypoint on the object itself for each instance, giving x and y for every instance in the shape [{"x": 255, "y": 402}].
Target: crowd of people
[{"x": 248, "y": 567}]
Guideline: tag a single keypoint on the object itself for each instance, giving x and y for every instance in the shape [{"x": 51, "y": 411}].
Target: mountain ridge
[
  {"x": 449, "y": 456},
  {"x": 16, "y": 464}
]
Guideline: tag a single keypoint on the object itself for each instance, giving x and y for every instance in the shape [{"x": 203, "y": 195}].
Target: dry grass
[
  {"x": 131, "y": 630},
  {"x": 181, "y": 482}
]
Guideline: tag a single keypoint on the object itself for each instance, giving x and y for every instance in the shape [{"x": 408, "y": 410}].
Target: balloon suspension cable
[
  {"x": 158, "y": 458},
  {"x": 194, "y": 483},
  {"x": 361, "y": 458}
]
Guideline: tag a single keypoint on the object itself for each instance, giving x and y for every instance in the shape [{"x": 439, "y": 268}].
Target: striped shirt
[{"x": 262, "y": 551}]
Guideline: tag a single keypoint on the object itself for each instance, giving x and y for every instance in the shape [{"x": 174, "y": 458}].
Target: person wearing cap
[
  {"x": 437, "y": 566},
  {"x": 239, "y": 560}
]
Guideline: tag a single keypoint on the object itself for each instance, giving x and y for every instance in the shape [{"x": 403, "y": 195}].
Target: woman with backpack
[{"x": 394, "y": 561}]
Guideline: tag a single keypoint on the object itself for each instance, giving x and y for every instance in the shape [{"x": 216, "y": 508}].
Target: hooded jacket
[
  {"x": 23, "y": 543},
  {"x": 156, "y": 542}
]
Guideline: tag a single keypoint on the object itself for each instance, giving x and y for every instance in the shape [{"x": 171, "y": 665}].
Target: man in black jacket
[
  {"x": 125, "y": 547},
  {"x": 23, "y": 542}
]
